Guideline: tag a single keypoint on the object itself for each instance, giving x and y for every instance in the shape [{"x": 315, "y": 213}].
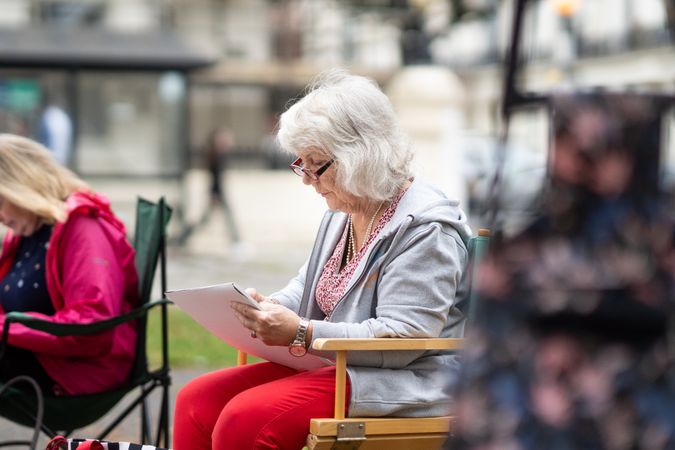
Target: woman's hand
[
  {"x": 274, "y": 325},
  {"x": 258, "y": 297}
]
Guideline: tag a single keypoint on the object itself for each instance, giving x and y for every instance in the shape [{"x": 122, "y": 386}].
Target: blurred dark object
[
  {"x": 606, "y": 147},
  {"x": 81, "y": 48},
  {"x": 384, "y": 4},
  {"x": 462, "y": 9},
  {"x": 572, "y": 343},
  {"x": 414, "y": 39},
  {"x": 596, "y": 256},
  {"x": 670, "y": 12}
]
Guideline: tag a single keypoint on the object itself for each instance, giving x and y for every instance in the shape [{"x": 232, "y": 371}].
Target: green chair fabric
[
  {"x": 64, "y": 414},
  {"x": 478, "y": 248}
]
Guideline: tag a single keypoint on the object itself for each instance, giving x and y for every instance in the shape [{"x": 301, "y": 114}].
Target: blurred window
[
  {"x": 24, "y": 94},
  {"x": 73, "y": 12},
  {"x": 130, "y": 124}
]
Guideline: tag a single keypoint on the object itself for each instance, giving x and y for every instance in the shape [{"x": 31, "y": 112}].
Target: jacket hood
[
  {"x": 423, "y": 203},
  {"x": 85, "y": 203},
  {"x": 94, "y": 204}
]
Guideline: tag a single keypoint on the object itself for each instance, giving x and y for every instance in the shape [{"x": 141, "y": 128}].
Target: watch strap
[{"x": 301, "y": 332}]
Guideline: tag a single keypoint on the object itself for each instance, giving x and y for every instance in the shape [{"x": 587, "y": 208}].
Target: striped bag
[{"x": 61, "y": 443}]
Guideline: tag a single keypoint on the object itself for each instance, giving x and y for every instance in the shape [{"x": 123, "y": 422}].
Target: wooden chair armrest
[
  {"x": 382, "y": 344},
  {"x": 342, "y": 345}
]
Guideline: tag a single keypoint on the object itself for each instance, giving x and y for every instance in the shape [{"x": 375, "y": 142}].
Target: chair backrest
[
  {"x": 478, "y": 247},
  {"x": 150, "y": 245},
  {"x": 149, "y": 242}
]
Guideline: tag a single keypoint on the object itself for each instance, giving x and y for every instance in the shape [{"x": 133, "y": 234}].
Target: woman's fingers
[
  {"x": 266, "y": 324},
  {"x": 274, "y": 325},
  {"x": 251, "y": 317},
  {"x": 244, "y": 313},
  {"x": 255, "y": 295}
]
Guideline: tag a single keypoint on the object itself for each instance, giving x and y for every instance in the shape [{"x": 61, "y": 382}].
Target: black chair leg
[
  {"x": 146, "y": 431},
  {"x": 163, "y": 427},
  {"x": 40, "y": 407}
]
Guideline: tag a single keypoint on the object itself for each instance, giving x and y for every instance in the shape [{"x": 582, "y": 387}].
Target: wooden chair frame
[
  {"x": 392, "y": 433},
  {"x": 338, "y": 432},
  {"x": 372, "y": 432}
]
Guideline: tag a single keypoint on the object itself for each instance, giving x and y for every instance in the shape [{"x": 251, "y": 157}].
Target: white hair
[{"x": 350, "y": 119}]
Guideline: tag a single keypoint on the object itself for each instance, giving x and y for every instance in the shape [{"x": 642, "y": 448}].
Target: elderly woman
[
  {"x": 65, "y": 258},
  {"x": 388, "y": 261}
]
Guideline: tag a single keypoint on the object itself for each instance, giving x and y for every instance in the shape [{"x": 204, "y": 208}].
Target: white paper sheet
[{"x": 210, "y": 307}]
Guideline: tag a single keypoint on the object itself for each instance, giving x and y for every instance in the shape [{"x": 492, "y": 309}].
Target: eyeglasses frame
[{"x": 301, "y": 171}]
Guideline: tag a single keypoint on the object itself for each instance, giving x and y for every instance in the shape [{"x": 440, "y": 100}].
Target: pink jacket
[{"x": 91, "y": 275}]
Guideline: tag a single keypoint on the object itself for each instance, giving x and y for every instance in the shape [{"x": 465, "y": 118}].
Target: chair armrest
[
  {"x": 73, "y": 329},
  {"x": 77, "y": 329},
  {"x": 382, "y": 344},
  {"x": 341, "y": 346}
]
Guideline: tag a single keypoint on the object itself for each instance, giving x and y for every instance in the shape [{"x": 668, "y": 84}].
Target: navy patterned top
[{"x": 24, "y": 288}]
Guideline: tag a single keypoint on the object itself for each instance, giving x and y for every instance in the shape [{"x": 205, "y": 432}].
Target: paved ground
[{"x": 277, "y": 216}]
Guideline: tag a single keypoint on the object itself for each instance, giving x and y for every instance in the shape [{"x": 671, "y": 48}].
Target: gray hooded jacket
[{"x": 406, "y": 285}]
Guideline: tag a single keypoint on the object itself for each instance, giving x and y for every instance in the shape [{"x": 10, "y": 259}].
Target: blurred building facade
[
  {"x": 566, "y": 44},
  {"x": 269, "y": 50},
  {"x": 265, "y": 51},
  {"x": 131, "y": 119},
  {"x": 120, "y": 76}
]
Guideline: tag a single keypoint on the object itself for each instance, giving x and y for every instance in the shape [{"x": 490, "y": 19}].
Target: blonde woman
[{"x": 65, "y": 258}]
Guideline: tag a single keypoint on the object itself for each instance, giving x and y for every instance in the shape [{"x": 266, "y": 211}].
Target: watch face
[{"x": 297, "y": 350}]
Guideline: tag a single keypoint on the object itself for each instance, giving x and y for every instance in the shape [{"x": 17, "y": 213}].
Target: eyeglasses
[{"x": 299, "y": 168}]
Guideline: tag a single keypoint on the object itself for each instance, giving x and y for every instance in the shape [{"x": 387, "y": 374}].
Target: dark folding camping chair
[{"x": 64, "y": 414}]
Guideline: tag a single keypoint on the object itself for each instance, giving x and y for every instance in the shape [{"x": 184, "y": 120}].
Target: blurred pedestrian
[
  {"x": 217, "y": 150},
  {"x": 56, "y": 131}
]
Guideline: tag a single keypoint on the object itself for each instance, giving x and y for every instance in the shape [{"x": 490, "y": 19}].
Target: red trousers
[{"x": 257, "y": 406}]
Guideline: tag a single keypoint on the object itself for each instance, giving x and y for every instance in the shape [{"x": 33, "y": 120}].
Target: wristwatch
[{"x": 297, "y": 347}]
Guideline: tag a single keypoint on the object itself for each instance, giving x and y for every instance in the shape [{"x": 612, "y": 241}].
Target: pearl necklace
[{"x": 351, "y": 244}]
